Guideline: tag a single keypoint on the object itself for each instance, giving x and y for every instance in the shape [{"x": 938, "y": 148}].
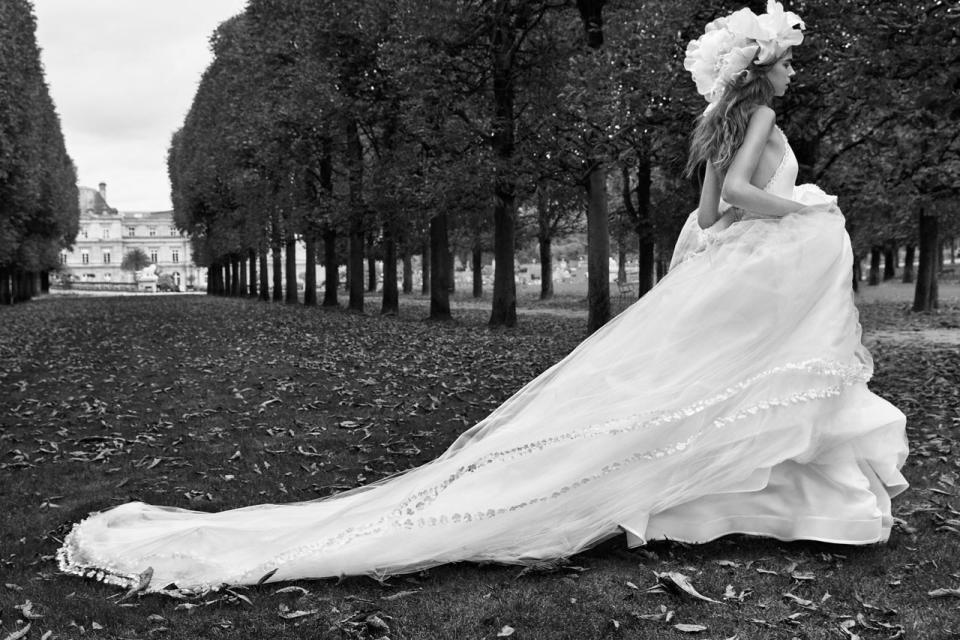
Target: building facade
[{"x": 107, "y": 235}]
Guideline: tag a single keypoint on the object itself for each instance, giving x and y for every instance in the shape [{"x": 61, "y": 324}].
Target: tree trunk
[
  {"x": 252, "y": 276},
  {"x": 5, "y": 293},
  {"x": 908, "y": 263},
  {"x": 331, "y": 270},
  {"x": 310, "y": 277},
  {"x": 647, "y": 255},
  {"x": 477, "y": 268},
  {"x": 621, "y": 264},
  {"x": 227, "y": 281},
  {"x": 857, "y": 272},
  {"x": 211, "y": 278},
  {"x": 890, "y": 254},
  {"x": 391, "y": 297},
  {"x": 407, "y": 272},
  {"x": 425, "y": 268},
  {"x": 44, "y": 281},
  {"x": 275, "y": 246},
  {"x": 439, "y": 285},
  {"x": 925, "y": 293},
  {"x": 451, "y": 272},
  {"x": 598, "y": 249},
  {"x": 355, "y": 180},
  {"x": 264, "y": 293},
  {"x": 371, "y": 267},
  {"x": 504, "y": 302},
  {"x": 874, "y": 277},
  {"x": 544, "y": 240},
  {"x": 242, "y": 268},
  {"x": 290, "y": 253},
  {"x": 238, "y": 275},
  {"x": 546, "y": 267}
]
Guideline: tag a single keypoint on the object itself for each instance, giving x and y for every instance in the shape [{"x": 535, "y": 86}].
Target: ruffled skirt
[{"x": 730, "y": 398}]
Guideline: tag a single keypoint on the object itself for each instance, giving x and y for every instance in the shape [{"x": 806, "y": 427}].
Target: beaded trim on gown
[{"x": 731, "y": 398}]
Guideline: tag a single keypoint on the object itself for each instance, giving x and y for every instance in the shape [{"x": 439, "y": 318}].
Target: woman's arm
[
  {"x": 708, "y": 211},
  {"x": 737, "y": 188}
]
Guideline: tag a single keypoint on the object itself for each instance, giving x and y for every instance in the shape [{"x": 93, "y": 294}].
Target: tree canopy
[
  {"x": 411, "y": 126},
  {"x": 39, "y": 209}
]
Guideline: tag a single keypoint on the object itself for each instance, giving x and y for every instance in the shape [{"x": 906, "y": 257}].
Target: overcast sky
[{"x": 122, "y": 74}]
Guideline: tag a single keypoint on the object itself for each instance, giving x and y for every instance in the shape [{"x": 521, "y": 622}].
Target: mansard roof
[{"x": 92, "y": 202}]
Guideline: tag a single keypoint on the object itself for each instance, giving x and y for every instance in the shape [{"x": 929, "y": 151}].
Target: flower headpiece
[{"x": 730, "y": 44}]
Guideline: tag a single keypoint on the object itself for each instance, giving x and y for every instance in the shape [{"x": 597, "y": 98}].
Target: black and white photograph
[{"x": 480, "y": 319}]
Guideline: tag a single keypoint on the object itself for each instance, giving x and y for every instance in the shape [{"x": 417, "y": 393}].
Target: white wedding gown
[{"x": 730, "y": 398}]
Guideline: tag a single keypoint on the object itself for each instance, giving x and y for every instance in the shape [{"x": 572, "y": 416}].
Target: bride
[{"x": 731, "y": 398}]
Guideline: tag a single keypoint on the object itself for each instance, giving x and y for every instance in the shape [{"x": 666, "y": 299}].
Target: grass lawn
[{"x": 212, "y": 403}]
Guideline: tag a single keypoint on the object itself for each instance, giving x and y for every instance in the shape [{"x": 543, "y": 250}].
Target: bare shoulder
[{"x": 762, "y": 120}]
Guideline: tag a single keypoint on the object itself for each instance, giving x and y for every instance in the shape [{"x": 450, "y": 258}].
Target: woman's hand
[{"x": 820, "y": 207}]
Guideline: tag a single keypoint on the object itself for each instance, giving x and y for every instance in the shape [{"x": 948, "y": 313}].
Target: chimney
[{"x": 103, "y": 191}]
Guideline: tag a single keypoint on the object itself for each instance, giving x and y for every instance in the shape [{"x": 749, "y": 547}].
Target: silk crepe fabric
[{"x": 730, "y": 398}]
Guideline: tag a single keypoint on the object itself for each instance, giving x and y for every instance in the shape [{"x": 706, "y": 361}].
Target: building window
[
  {"x": 85, "y": 257},
  {"x": 131, "y": 231},
  {"x": 106, "y": 256},
  {"x": 84, "y": 233},
  {"x": 173, "y": 232},
  {"x": 63, "y": 257},
  {"x": 105, "y": 231},
  {"x": 153, "y": 256},
  {"x": 175, "y": 255},
  {"x": 153, "y": 232}
]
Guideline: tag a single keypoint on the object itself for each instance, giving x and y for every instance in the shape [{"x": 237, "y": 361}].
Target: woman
[{"x": 731, "y": 398}]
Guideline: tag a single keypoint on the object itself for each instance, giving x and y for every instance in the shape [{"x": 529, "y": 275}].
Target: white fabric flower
[{"x": 729, "y": 44}]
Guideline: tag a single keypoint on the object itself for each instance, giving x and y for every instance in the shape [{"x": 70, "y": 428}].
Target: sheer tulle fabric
[{"x": 730, "y": 398}]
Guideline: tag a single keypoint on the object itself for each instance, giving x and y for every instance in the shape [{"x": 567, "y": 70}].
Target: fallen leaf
[
  {"x": 27, "y": 610},
  {"x": 285, "y": 612},
  {"x": 400, "y": 594},
  {"x": 798, "y": 600},
  {"x": 679, "y": 584},
  {"x": 944, "y": 593},
  {"x": 689, "y": 628},
  {"x": 19, "y": 633},
  {"x": 846, "y": 627},
  {"x": 506, "y": 632},
  {"x": 267, "y": 576}
]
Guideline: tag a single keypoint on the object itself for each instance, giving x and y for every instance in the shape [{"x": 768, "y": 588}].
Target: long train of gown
[{"x": 730, "y": 398}]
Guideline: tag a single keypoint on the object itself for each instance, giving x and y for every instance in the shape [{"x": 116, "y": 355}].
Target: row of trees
[
  {"x": 39, "y": 210},
  {"x": 880, "y": 124},
  {"x": 373, "y": 129}
]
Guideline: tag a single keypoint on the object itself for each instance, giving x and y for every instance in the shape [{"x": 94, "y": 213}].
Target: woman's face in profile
[{"x": 780, "y": 74}]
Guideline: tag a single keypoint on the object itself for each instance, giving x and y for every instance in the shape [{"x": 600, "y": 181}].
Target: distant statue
[{"x": 147, "y": 273}]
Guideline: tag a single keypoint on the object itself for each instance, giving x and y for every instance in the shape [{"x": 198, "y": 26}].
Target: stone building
[{"x": 106, "y": 235}]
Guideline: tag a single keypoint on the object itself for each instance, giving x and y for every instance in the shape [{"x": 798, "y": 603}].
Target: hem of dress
[{"x": 830, "y": 530}]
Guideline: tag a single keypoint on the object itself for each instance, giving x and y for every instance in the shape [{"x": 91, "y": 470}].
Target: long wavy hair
[{"x": 720, "y": 131}]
